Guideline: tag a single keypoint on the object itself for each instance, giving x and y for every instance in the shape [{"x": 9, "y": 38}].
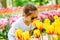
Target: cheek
[
  {"x": 29, "y": 18},
  {"x": 35, "y": 15}
]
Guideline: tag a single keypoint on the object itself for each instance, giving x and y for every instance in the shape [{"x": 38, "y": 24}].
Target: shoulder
[{"x": 18, "y": 22}]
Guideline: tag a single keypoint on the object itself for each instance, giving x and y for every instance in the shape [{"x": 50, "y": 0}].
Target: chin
[{"x": 31, "y": 21}]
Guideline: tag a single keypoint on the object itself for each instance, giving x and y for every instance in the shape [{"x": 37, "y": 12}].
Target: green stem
[{"x": 49, "y": 37}]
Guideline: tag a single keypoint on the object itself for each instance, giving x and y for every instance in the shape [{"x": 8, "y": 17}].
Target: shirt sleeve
[{"x": 12, "y": 30}]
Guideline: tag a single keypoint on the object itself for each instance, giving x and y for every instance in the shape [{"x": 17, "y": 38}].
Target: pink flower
[
  {"x": 42, "y": 16},
  {"x": 53, "y": 12},
  {"x": 3, "y": 22},
  {"x": 58, "y": 12},
  {"x": 50, "y": 15},
  {"x": 13, "y": 19},
  {"x": 0, "y": 22}
]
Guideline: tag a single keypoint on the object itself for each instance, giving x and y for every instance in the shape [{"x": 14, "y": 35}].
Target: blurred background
[{"x": 14, "y": 3}]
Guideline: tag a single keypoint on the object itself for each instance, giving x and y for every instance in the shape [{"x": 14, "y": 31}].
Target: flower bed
[
  {"x": 46, "y": 27},
  {"x": 49, "y": 29}
]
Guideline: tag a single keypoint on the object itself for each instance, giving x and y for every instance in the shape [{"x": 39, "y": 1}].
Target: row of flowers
[
  {"x": 47, "y": 25},
  {"x": 49, "y": 6},
  {"x": 49, "y": 14},
  {"x": 4, "y": 21},
  {"x": 19, "y": 9},
  {"x": 50, "y": 28},
  {"x": 5, "y": 25},
  {"x": 10, "y": 10},
  {"x": 41, "y": 15}
]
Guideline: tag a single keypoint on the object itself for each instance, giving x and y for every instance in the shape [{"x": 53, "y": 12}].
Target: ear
[{"x": 23, "y": 14}]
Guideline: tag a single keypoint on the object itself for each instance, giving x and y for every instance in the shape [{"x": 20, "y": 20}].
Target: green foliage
[
  {"x": 20, "y": 2},
  {"x": 23, "y": 2},
  {"x": 58, "y": 1},
  {"x": 3, "y": 34}
]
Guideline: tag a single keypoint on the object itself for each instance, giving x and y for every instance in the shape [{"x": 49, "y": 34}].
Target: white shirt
[{"x": 16, "y": 25}]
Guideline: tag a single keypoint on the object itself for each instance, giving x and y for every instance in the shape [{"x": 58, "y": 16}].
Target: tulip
[
  {"x": 57, "y": 21},
  {"x": 46, "y": 23},
  {"x": 42, "y": 16},
  {"x": 50, "y": 29},
  {"x": 18, "y": 33},
  {"x": 55, "y": 17},
  {"x": 36, "y": 33},
  {"x": 26, "y": 36},
  {"x": 13, "y": 19},
  {"x": 58, "y": 12},
  {"x": 57, "y": 24},
  {"x": 3, "y": 22},
  {"x": 38, "y": 24},
  {"x": 57, "y": 30}
]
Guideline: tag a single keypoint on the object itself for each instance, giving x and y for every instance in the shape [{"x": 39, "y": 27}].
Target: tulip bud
[{"x": 37, "y": 33}]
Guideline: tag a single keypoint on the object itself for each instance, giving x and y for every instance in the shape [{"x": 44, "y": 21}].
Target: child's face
[{"x": 33, "y": 15}]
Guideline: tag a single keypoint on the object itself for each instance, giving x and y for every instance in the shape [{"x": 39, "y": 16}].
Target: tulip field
[{"x": 47, "y": 28}]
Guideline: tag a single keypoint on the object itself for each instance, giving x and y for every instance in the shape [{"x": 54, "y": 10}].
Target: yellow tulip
[
  {"x": 57, "y": 22},
  {"x": 46, "y": 23},
  {"x": 46, "y": 20},
  {"x": 57, "y": 30},
  {"x": 25, "y": 35},
  {"x": 55, "y": 17},
  {"x": 37, "y": 33},
  {"x": 50, "y": 29},
  {"x": 37, "y": 24},
  {"x": 57, "y": 25},
  {"x": 18, "y": 33}
]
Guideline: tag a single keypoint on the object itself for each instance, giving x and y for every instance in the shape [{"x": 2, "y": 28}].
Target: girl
[{"x": 24, "y": 23}]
